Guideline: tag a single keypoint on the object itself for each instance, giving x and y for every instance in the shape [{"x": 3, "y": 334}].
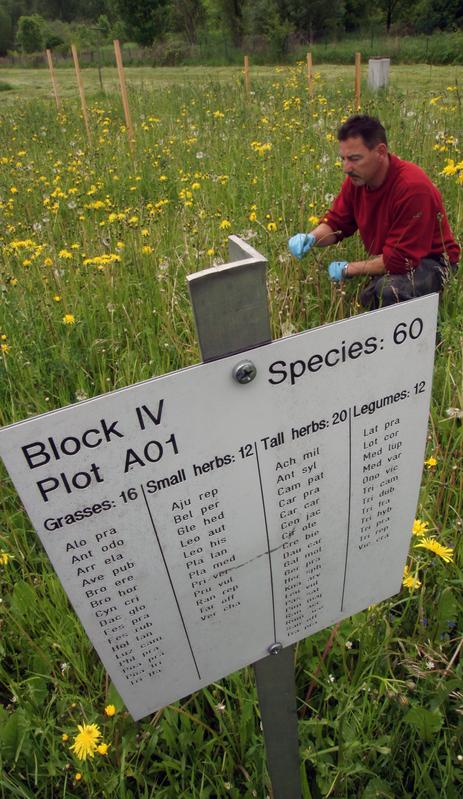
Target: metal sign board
[{"x": 194, "y": 522}]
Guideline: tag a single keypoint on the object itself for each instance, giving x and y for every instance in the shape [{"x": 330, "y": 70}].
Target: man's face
[{"x": 363, "y": 166}]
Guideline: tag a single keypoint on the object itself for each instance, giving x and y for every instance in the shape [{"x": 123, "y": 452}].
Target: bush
[{"x": 30, "y": 35}]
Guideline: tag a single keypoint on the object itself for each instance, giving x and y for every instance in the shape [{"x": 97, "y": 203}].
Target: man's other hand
[
  {"x": 336, "y": 270},
  {"x": 300, "y": 244}
]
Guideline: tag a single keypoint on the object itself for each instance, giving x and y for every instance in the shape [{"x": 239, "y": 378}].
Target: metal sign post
[{"x": 231, "y": 312}]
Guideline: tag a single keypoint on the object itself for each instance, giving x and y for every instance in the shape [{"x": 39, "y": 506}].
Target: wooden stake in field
[
  {"x": 309, "y": 74},
  {"x": 81, "y": 92},
  {"x": 125, "y": 101},
  {"x": 247, "y": 81},
  {"x": 358, "y": 61},
  {"x": 53, "y": 81}
]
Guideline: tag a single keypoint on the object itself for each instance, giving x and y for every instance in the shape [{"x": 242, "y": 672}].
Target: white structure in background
[{"x": 378, "y": 73}]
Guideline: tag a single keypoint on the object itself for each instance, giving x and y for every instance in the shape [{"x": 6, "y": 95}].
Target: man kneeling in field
[{"x": 400, "y": 217}]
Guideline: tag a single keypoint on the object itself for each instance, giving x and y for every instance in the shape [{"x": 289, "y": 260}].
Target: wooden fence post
[
  {"x": 247, "y": 81},
  {"x": 53, "y": 81},
  {"x": 81, "y": 92},
  {"x": 125, "y": 100},
  {"x": 358, "y": 61},
  {"x": 309, "y": 75}
]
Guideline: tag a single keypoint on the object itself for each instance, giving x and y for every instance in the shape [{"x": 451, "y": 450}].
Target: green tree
[
  {"x": 265, "y": 17},
  {"x": 431, "y": 15},
  {"x": 314, "y": 18},
  {"x": 145, "y": 20},
  {"x": 6, "y": 30},
  {"x": 30, "y": 36},
  {"x": 188, "y": 17},
  {"x": 229, "y": 16},
  {"x": 356, "y": 14}
]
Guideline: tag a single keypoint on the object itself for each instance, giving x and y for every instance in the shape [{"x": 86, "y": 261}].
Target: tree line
[{"x": 31, "y": 25}]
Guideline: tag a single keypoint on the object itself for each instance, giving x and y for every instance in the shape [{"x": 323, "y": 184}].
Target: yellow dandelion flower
[
  {"x": 224, "y": 224},
  {"x": 48, "y": 262},
  {"x": 271, "y": 227},
  {"x": 145, "y": 232},
  {"x": 252, "y": 216},
  {"x": 102, "y": 749},
  {"x": 86, "y": 741},
  {"x": 211, "y": 251},
  {"x": 313, "y": 220},
  {"x": 65, "y": 254},
  {"x": 146, "y": 249},
  {"x": 446, "y": 553},
  {"x": 419, "y": 527},
  {"x": 410, "y": 581},
  {"x": 110, "y": 710},
  {"x": 5, "y": 348},
  {"x": 69, "y": 319},
  {"x": 65, "y": 737},
  {"x": 57, "y": 298},
  {"x": 431, "y": 462},
  {"x": 4, "y": 558},
  {"x": 78, "y": 776}
]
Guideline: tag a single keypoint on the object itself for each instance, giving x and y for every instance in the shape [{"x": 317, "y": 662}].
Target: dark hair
[{"x": 368, "y": 128}]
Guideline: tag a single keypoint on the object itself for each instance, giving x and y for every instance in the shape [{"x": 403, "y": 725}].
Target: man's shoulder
[{"x": 410, "y": 176}]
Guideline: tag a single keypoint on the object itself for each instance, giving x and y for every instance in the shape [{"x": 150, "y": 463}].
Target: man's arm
[
  {"x": 375, "y": 266},
  {"x": 324, "y": 235}
]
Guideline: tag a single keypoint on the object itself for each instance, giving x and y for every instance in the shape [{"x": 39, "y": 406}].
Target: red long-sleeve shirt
[{"x": 403, "y": 220}]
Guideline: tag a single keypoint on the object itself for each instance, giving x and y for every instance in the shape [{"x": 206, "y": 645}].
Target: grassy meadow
[{"x": 95, "y": 246}]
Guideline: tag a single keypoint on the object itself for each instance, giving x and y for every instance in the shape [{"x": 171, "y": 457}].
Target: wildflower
[
  {"x": 313, "y": 220},
  {"x": 65, "y": 254},
  {"x": 349, "y": 644},
  {"x": 110, "y": 710},
  {"x": 86, "y": 741},
  {"x": 252, "y": 216},
  {"x": 446, "y": 553},
  {"x": 431, "y": 462},
  {"x": 78, "y": 776},
  {"x": 5, "y": 348},
  {"x": 4, "y": 558},
  {"x": 102, "y": 749},
  {"x": 409, "y": 581},
  {"x": 57, "y": 298},
  {"x": 146, "y": 249},
  {"x": 211, "y": 251},
  {"x": 69, "y": 319},
  {"x": 419, "y": 527},
  {"x": 65, "y": 737},
  {"x": 271, "y": 227},
  {"x": 224, "y": 224}
]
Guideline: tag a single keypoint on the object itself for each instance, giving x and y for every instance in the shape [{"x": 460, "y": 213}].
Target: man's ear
[{"x": 382, "y": 149}]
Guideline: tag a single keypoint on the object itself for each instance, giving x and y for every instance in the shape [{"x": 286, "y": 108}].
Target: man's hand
[
  {"x": 300, "y": 244},
  {"x": 336, "y": 270}
]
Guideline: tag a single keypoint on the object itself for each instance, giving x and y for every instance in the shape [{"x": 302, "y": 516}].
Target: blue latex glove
[
  {"x": 336, "y": 270},
  {"x": 300, "y": 244}
]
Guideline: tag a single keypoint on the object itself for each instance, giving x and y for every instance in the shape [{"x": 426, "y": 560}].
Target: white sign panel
[{"x": 194, "y": 521}]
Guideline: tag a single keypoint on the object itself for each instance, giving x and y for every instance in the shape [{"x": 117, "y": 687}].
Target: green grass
[{"x": 380, "y": 715}]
